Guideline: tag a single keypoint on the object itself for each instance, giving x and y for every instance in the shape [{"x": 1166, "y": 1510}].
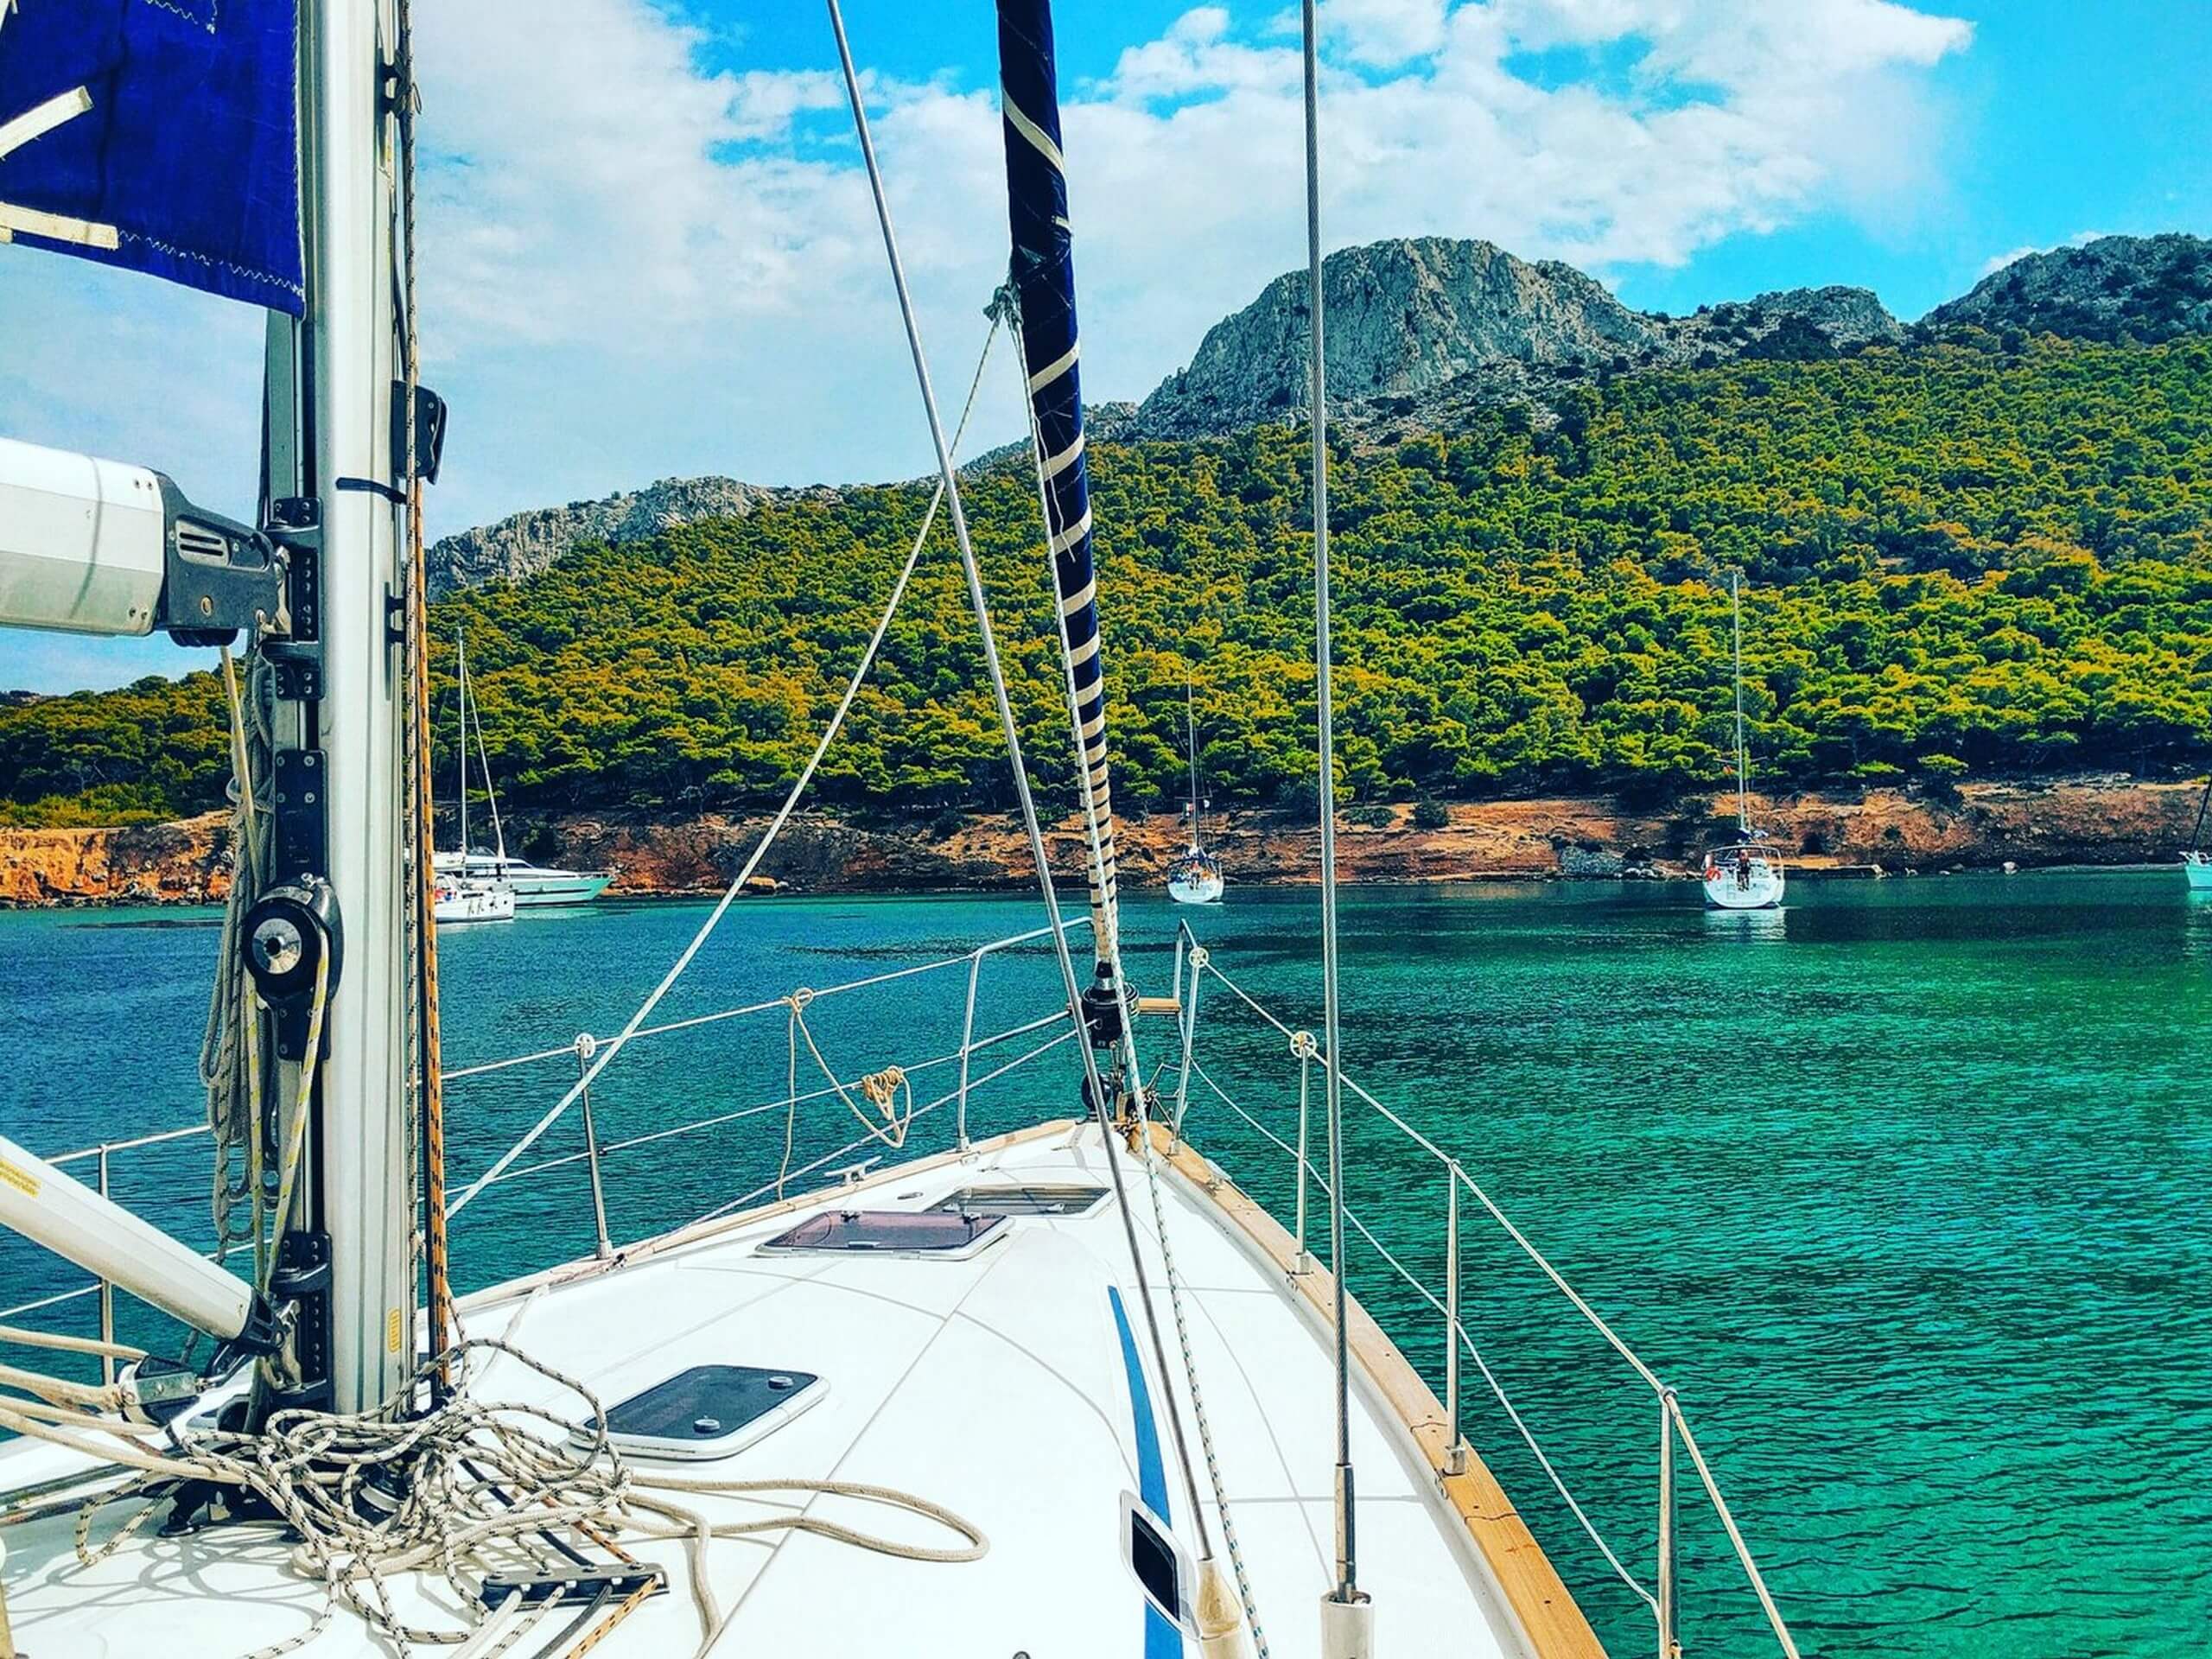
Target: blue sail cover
[
  {"x": 157, "y": 134},
  {"x": 1044, "y": 283}
]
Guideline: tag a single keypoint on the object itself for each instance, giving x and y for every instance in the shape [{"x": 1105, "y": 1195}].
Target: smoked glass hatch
[
  {"x": 709, "y": 1411},
  {"x": 890, "y": 1232},
  {"x": 1047, "y": 1199}
]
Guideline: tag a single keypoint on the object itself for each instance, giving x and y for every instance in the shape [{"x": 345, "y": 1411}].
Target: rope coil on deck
[{"x": 472, "y": 1490}]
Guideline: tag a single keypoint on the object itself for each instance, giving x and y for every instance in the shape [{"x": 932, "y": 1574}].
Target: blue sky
[{"x": 647, "y": 249}]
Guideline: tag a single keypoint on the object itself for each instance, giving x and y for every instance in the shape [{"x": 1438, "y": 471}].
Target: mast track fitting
[
  {"x": 301, "y": 846},
  {"x": 296, "y": 525}
]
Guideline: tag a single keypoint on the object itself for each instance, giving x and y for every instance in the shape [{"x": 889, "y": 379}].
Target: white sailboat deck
[{"x": 1003, "y": 1388}]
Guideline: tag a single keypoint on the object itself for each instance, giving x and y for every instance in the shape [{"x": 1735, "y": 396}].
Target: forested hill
[{"x": 1987, "y": 554}]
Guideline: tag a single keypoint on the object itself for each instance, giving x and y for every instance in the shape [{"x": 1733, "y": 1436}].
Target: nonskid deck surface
[{"x": 1003, "y": 1388}]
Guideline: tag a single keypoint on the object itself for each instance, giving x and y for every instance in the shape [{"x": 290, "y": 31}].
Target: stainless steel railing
[
  {"x": 594, "y": 1152},
  {"x": 1662, "y": 1597},
  {"x": 1193, "y": 967}
]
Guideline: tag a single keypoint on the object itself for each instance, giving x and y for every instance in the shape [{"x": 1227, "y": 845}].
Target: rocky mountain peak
[
  {"x": 2146, "y": 287},
  {"x": 1426, "y": 318},
  {"x": 526, "y": 542},
  {"x": 1404, "y": 316}
]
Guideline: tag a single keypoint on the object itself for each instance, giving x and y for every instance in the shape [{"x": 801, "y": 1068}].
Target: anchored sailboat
[
  {"x": 476, "y": 876},
  {"x": 2195, "y": 861},
  {"x": 1195, "y": 876},
  {"x": 1745, "y": 874},
  {"x": 932, "y": 1406},
  {"x": 465, "y": 894}
]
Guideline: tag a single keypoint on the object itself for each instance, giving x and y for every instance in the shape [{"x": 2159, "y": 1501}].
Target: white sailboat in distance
[
  {"x": 1195, "y": 877},
  {"x": 1745, "y": 874},
  {"x": 463, "y": 895},
  {"x": 531, "y": 885},
  {"x": 2195, "y": 863}
]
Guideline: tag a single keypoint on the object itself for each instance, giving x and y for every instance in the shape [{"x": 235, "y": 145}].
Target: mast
[
  {"x": 2204, "y": 805},
  {"x": 350, "y": 365},
  {"x": 460, "y": 757},
  {"x": 491, "y": 794},
  {"x": 1743, "y": 781},
  {"x": 1190, "y": 742}
]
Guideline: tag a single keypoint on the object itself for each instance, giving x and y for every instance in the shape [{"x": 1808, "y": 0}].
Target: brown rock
[{"x": 2082, "y": 820}]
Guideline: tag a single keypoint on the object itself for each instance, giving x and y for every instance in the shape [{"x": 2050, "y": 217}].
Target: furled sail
[
  {"x": 1044, "y": 283},
  {"x": 157, "y": 134}
]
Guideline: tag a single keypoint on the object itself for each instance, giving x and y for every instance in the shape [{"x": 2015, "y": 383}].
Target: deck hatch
[
  {"x": 709, "y": 1411},
  {"x": 934, "y": 1233},
  {"x": 1039, "y": 1198}
]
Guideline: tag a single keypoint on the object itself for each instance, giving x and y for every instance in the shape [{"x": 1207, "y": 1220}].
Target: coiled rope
[{"x": 474, "y": 1491}]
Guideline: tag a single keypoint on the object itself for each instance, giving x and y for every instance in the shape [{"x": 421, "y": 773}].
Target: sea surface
[{"x": 1903, "y": 1189}]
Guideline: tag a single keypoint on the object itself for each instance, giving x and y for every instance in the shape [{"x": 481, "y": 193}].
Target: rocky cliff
[
  {"x": 526, "y": 542},
  {"x": 188, "y": 863},
  {"x": 2079, "y": 820},
  {"x": 2145, "y": 287},
  {"x": 1421, "y": 326}
]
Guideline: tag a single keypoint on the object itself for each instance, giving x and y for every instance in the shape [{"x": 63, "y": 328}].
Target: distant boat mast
[
  {"x": 1190, "y": 742},
  {"x": 1743, "y": 779}
]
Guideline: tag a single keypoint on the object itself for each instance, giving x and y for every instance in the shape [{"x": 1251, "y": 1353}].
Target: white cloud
[{"x": 637, "y": 265}]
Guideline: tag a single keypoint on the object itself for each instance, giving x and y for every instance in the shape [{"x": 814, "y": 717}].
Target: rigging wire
[
  {"x": 472, "y": 710},
  {"x": 684, "y": 960},
  {"x": 1347, "y": 1588},
  {"x": 1093, "y": 1082},
  {"x": 1139, "y": 1093}
]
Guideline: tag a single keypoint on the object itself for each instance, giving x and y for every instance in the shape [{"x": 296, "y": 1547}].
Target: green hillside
[{"x": 1987, "y": 555}]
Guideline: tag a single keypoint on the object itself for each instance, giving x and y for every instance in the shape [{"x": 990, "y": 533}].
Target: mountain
[
  {"x": 1426, "y": 333},
  {"x": 1461, "y": 324},
  {"x": 1962, "y": 558},
  {"x": 526, "y": 542},
  {"x": 2149, "y": 288}
]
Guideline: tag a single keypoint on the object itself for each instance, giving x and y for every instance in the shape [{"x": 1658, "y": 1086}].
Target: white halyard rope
[
  {"x": 1096, "y": 815},
  {"x": 230, "y": 1057}
]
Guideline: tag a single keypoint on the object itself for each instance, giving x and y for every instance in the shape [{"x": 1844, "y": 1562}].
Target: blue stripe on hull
[{"x": 1161, "y": 1639}]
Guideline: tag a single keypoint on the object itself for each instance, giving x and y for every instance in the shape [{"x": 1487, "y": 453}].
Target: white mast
[
  {"x": 460, "y": 694},
  {"x": 473, "y": 711},
  {"x": 347, "y": 180},
  {"x": 1190, "y": 742},
  {"x": 1743, "y": 782}
]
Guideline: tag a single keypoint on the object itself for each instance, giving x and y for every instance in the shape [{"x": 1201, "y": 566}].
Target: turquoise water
[{"x": 1903, "y": 1189}]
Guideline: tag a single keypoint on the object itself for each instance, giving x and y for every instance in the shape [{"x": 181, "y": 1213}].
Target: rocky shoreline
[{"x": 2092, "y": 820}]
